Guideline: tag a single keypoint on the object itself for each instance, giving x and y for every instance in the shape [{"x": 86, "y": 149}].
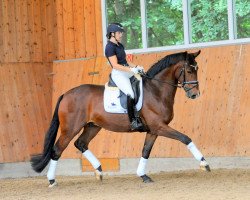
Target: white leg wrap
[
  {"x": 52, "y": 169},
  {"x": 92, "y": 159},
  {"x": 142, "y": 166},
  {"x": 197, "y": 154}
]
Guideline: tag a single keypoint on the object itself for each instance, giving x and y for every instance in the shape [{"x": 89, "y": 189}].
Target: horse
[{"x": 82, "y": 108}]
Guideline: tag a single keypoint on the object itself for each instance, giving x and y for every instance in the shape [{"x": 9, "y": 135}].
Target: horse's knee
[{"x": 81, "y": 146}]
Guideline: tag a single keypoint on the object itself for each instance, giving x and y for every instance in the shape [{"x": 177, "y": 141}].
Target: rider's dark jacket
[{"x": 118, "y": 50}]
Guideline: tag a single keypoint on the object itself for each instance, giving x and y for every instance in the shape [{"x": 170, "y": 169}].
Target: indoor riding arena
[{"x": 48, "y": 47}]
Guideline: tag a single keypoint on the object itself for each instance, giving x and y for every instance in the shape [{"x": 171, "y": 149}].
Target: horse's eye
[{"x": 189, "y": 71}]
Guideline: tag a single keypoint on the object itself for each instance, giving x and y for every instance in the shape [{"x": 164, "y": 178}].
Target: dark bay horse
[{"x": 82, "y": 108}]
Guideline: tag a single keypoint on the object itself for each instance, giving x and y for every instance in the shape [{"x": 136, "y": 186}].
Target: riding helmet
[{"x": 114, "y": 27}]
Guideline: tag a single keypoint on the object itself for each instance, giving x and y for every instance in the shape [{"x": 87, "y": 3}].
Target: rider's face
[{"x": 118, "y": 36}]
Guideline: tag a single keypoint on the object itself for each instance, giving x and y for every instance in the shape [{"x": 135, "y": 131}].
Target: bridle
[
  {"x": 179, "y": 84},
  {"x": 194, "y": 83}
]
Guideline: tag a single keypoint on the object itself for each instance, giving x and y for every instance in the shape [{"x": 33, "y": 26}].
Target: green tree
[
  {"x": 164, "y": 22},
  {"x": 129, "y": 15},
  {"x": 209, "y": 20},
  {"x": 243, "y": 18}
]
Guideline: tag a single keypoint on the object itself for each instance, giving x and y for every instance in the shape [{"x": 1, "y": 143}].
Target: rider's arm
[
  {"x": 115, "y": 65},
  {"x": 131, "y": 64}
]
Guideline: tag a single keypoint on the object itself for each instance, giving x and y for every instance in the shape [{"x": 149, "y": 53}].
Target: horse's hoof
[
  {"x": 98, "y": 175},
  {"x": 205, "y": 166},
  {"x": 146, "y": 179},
  {"x": 52, "y": 183}
]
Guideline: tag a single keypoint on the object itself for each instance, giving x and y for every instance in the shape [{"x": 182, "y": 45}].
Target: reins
[
  {"x": 143, "y": 74},
  {"x": 179, "y": 85}
]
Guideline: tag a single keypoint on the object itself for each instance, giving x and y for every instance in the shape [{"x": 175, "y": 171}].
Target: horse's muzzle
[{"x": 192, "y": 95}]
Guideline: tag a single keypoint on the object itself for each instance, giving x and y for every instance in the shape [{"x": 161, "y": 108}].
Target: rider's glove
[
  {"x": 140, "y": 68},
  {"x": 135, "y": 70}
]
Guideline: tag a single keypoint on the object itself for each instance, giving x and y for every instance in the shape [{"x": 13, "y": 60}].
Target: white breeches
[{"x": 122, "y": 81}]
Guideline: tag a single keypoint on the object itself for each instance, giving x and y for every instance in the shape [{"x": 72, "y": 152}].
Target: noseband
[{"x": 179, "y": 84}]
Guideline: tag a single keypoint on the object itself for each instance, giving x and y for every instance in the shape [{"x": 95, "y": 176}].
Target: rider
[{"x": 122, "y": 71}]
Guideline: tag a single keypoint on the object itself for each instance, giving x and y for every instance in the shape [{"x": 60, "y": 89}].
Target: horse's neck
[{"x": 160, "y": 88}]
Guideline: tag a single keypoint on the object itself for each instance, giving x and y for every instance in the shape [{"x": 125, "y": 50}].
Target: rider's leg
[
  {"x": 135, "y": 121},
  {"x": 122, "y": 81}
]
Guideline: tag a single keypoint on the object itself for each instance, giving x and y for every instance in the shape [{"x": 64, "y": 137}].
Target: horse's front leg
[
  {"x": 148, "y": 144},
  {"x": 168, "y": 132}
]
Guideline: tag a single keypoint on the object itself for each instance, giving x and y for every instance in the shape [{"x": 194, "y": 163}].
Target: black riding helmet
[{"x": 114, "y": 27}]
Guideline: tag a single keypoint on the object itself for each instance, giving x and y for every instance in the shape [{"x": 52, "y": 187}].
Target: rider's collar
[{"x": 118, "y": 43}]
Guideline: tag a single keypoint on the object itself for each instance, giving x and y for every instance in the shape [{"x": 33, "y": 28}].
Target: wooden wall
[
  {"x": 47, "y": 30},
  {"x": 25, "y": 109},
  {"x": 79, "y": 28},
  {"x": 27, "y": 31}
]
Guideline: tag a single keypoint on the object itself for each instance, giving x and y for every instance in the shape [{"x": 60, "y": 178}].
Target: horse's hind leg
[
  {"x": 66, "y": 136},
  {"x": 148, "y": 144},
  {"x": 89, "y": 132}
]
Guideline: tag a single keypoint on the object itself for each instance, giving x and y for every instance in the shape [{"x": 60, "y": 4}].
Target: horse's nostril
[{"x": 193, "y": 96}]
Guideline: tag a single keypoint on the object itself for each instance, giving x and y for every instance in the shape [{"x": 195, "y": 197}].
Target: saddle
[
  {"x": 135, "y": 83},
  {"x": 115, "y": 101}
]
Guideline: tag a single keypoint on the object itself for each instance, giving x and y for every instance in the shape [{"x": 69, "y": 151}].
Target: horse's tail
[{"x": 40, "y": 161}]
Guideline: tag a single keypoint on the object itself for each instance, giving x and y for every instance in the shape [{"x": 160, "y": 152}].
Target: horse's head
[
  {"x": 177, "y": 70},
  {"x": 186, "y": 74}
]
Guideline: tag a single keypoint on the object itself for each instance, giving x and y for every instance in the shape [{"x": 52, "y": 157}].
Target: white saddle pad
[{"x": 112, "y": 99}]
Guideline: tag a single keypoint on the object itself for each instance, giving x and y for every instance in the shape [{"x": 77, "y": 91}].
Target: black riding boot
[{"x": 134, "y": 118}]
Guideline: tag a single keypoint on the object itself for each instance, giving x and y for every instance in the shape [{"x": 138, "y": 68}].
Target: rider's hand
[
  {"x": 140, "y": 68},
  {"x": 135, "y": 70}
]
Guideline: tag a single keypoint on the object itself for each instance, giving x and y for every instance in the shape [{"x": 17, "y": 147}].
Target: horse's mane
[{"x": 165, "y": 62}]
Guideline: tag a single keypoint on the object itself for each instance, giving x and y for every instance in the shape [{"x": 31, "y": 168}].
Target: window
[
  {"x": 209, "y": 21},
  {"x": 128, "y": 14},
  {"x": 242, "y": 12},
  {"x": 153, "y": 25},
  {"x": 164, "y": 23}
]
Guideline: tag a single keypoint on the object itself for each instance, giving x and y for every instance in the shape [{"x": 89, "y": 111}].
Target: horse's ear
[{"x": 197, "y": 53}]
